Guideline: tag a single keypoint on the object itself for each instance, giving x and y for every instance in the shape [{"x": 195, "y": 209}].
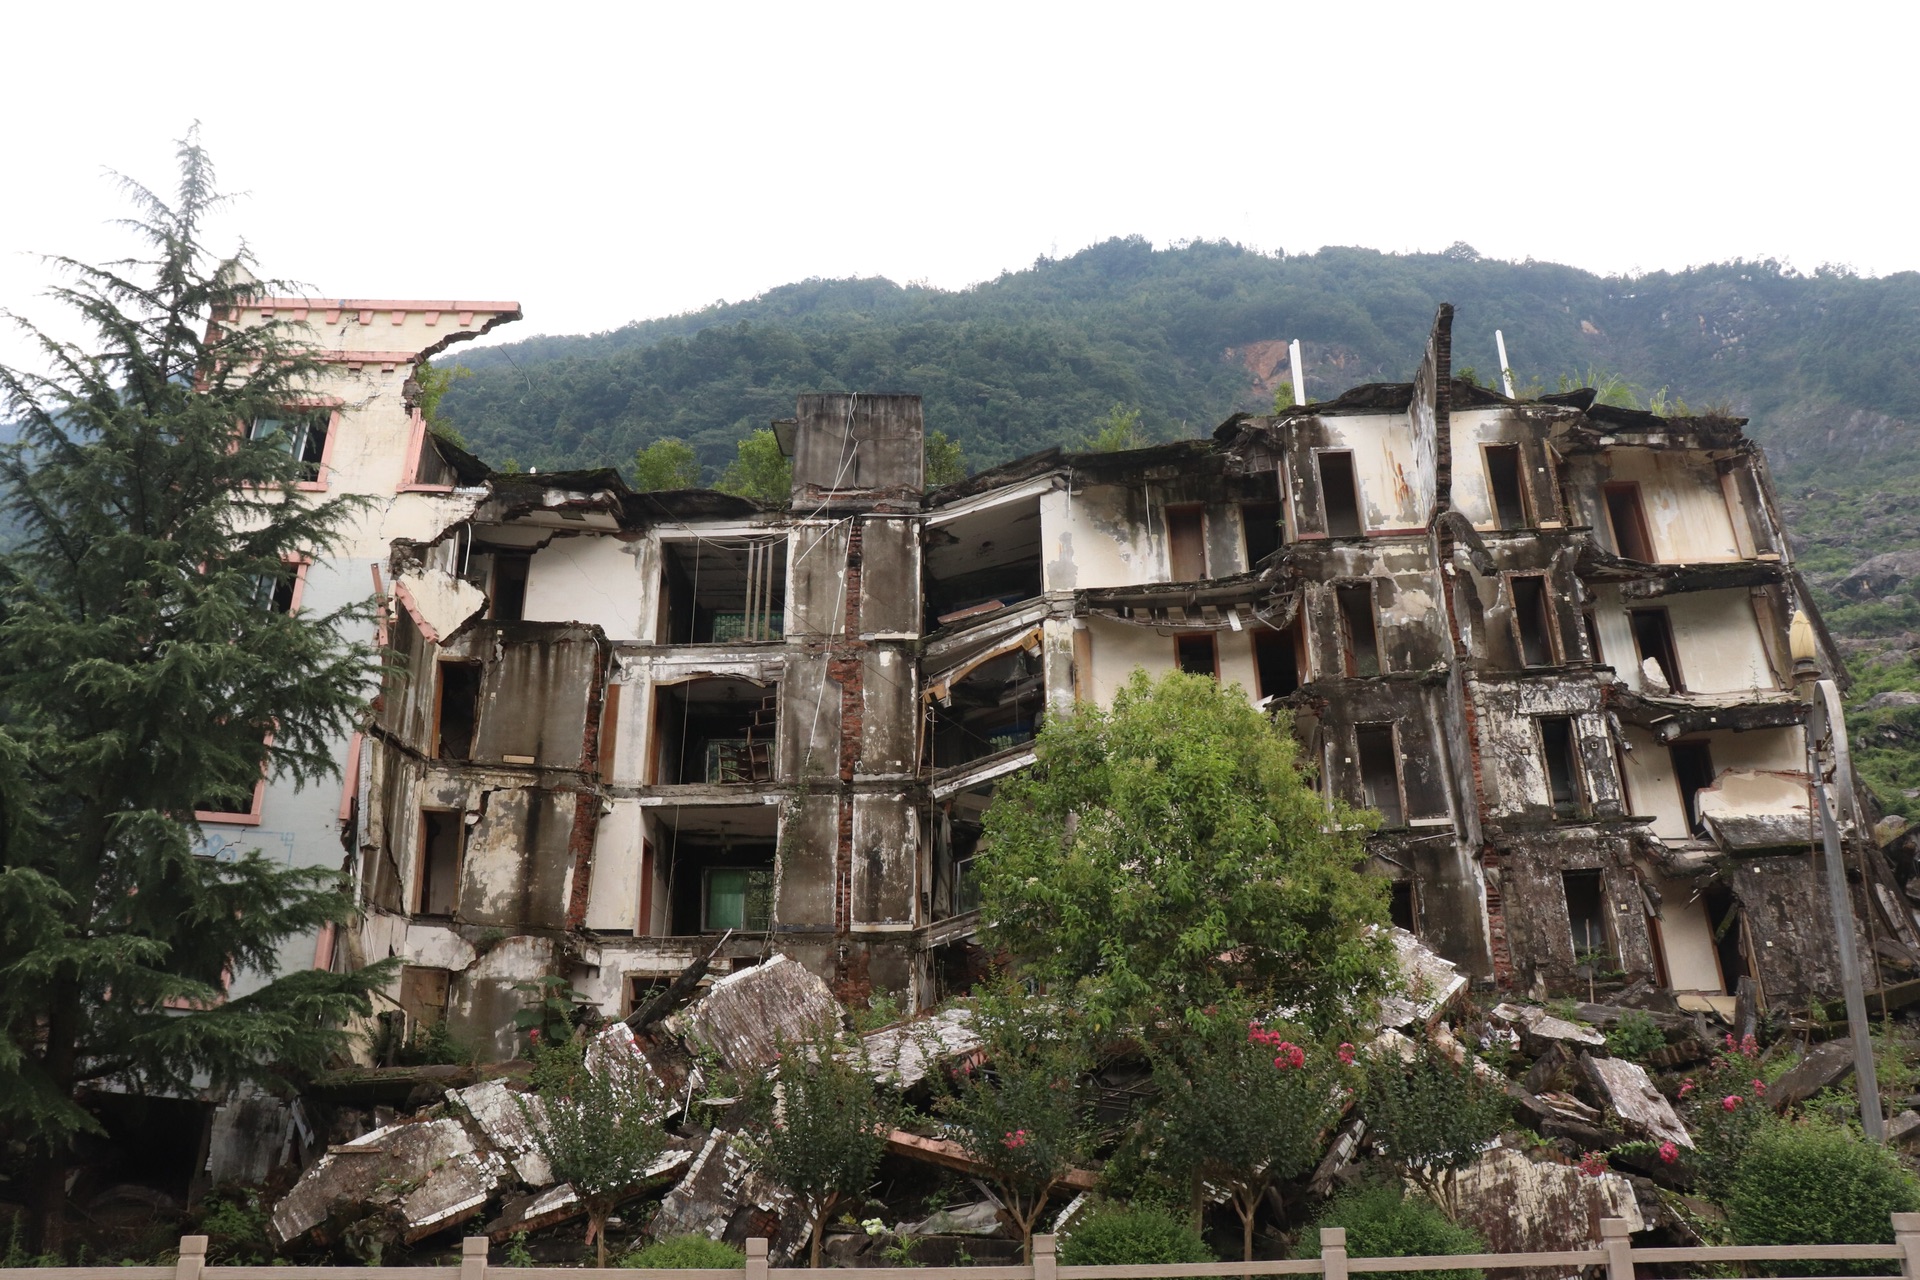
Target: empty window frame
[
  {"x": 1534, "y": 634},
  {"x": 1627, "y": 516},
  {"x": 278, "y": 592},
  {"x": 1198, "y": 654},
  {"x": 1506, "y": 485},
  {"x": 1653, "y": 640},
  {"x": 457, "y": 710},
  {"x": 507, "y": 592},
  {"x": 1261, "y": 521},
  {"x": 1359, "y": 635},
  {"x": 736, "y": 898},
  {"x": 1377, "y": 752},
  {"x": 1563, "y": 765},
  {"x": 436, "y": 880},
  {"x": 723, "y": 591},
  {"x": 1692, "y": 774},
  {"x": 1186, "y": 543},
  {"x": 305, "y": 433},
  {"x": 1586, "y": 894},
  {"x": 1594, "y": 652},
  {"x": 1339, "y": 493},
  {"x": 1402, "y": 910},
  {"x": 1276, "y": 660}
]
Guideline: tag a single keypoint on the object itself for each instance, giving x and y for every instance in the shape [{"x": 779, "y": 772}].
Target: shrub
[
  {"x": 682, "y": 1252},
  {"x": 1636, "y": 1037},
  {"x": 1816, "y": 1182},
  {"x": 1382, "y": 1222},
  {"x": 1136, "y": 1235}
]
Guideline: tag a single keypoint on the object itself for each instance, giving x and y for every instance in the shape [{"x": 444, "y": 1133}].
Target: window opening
[
  {"x": 509, "y": 588},
  {"x": 956, "y": 838},
  {"x": 1340, "y": 494},
  {"x": 1357, "y": 629},
  {"x": 730, "y": 591},
  {"x": 1592, "y": 626},
  {"x": 1187, "y": 543},
  {"x": 433, "y": 467},
  {"x": 1198, "y": 655},
  {"x": 273, "y": 592},
  {"x": 1380, "y": 772},
  {"x": 719, "y": 869},
  {"x": 442, "y": 833},
  {"x": 1276, "y": 660},
  {"x": 1532, "y": 621},
  {"x": 459, "y": 710},
  {"x": 737, "y": 898},
  {"x": 1401, "y": 910},
  {"x": 1504, "y": 481},
  {"x": 1628, "y": 516},
  {"x": 716, "y": 730},
  {"x": 1653, "y": 637},
  {"x": 1729, "y": 947},
  {"x": 1563, "y": 767},
  {"x": 1261, "y": 521},
  {"x": 981, "y": 562},
  {"x": 996, "y": 707},
  {"x": 1692, "y": 773},
  {"x": 306, "y": 436},
  {"x": 1586, "y": 912}
]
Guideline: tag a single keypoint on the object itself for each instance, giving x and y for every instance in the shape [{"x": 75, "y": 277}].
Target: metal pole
[
  {"x": 1826, "y": 717},
  {"x": 1506, "y": 374}
]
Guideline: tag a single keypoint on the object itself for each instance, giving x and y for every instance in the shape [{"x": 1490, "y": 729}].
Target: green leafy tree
[
  {"x": 1283, "y": 397},
  {"x": 1170, "y": 850},
  {"x": 1243, "y": 1106},
  {"x": 1432, "y": 1114},
  {"x": 946, "y": 461},
  {"x": 141, "y": 675},
  {"x": 432, "y": 382},
  {"x": 821, "y": 1125},
  {"x": 1022, "y": 1113},
  {"x": 667, "y": 463},
  {"x": 1382, "y": 1222},
  {"x": 1818, "y": 1182},
  {"x": 760, "y": 472},
  {"x": 596, "y": 1124},
  {"x": 1119, "y": 430}
]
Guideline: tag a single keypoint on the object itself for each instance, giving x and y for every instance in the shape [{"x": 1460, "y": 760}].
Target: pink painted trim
[
  {"x": 251, "y": 818},
  {"x": 405, "y": 597},
  {"x": 375, "y": 304},
  {"x": 416, "y": 450},
  {"x": 351, "y": 787},
  {"x": 323, "y": 945}
]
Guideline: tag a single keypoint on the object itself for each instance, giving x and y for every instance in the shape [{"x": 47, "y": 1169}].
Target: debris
[
  {"x": 980, "y": 1218},
  {"x": 1625, "y": 1089},
  {"x": 903, "y": 1054},
  {"x": 951, "y": 1155},
  {"x": 1540, "y": 1029},
  {"x": 422, "y": 1177},
  {"x": 724, "y": 1197},
  {"x": 499, "y": 1112},
  {"x": 1904, "y": 1128},
  {"x": 744, "y": 1016},
  {"x": 1339, "y": 1157},
  {"x": 1824, "y": 1066},
  {"x": 1518, "y": 1204},
  {"x": 678, "y": 992},
  {"x": 533, "y": 1212},
  {"x": 1428, "y": 984}
]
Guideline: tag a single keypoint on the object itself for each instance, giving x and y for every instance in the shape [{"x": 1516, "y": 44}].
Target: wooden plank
[{"x": 951, "y": 1155}]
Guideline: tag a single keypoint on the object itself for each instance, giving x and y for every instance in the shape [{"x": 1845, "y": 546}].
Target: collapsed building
[{"x": 1547, "y": 640}]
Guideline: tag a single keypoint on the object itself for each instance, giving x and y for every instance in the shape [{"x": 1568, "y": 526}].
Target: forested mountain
[{"x": 1824, "y": 365}]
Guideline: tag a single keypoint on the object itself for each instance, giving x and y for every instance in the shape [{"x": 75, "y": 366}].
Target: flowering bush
[{"x": 1722, "y": 1112}]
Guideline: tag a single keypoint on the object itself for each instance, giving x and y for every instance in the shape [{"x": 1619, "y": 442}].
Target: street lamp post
[{"x": 1827, "y": 727}]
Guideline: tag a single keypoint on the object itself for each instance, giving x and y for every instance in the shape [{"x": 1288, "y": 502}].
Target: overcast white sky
[{"x": 602, "y": 163}]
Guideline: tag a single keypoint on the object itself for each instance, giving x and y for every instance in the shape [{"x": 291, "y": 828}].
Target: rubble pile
[{"x": 471, "y": 1163}]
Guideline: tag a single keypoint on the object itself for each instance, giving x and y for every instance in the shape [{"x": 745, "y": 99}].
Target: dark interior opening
[
  {"x": 1380, "y": 772},
  {"x": 1629, "y": 520},
  {"x": 956, "y": 838},
  {"x": 1692, "y": 773},
  {"x": 1653, "y": 637},
  {"x": 718, "y": 883},
  {"x": 1594, "y": 652},
  {"x": 149, "y": 1142},
  {"x": 1276, "y": 660},
  {"x": 726, "y": 591},
  {"x": 1532, "y": 621},
  {"x": 1357, "y": 629},
  {"x": 1504, "y": 479},
  {"x": 995, "y": 707},
  {"x": 1723, "y": 917},
  {"x": 273, "y": 592},
  {"x": 509, "y": 590},
  {"x": 432, "y": 466},
  {"x": 1187, "y": 543},
  {"x": 1198, "y": 654},
  {"x": 1563, "y": 769},
  {"x": 1586, "y": 911},
  {"x": 459, "y": 710},
  {"x": 1400, "y": 910},
  {"x": 718, "y": 730},
  {"x": 1261, "y": 520},
  {"x": 305, "y": 435},
  {"x": 442, "y": 832},
  {"x": 980, "y": 563},
  {"x": 1340, "y": 493}
]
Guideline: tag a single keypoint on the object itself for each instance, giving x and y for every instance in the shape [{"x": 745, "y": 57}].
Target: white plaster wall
[
  {"x": 1715, "y": 633},
  {"x": 1473, "y": 428},
  {"x": 1686, "y": 514},
  {"x": 1118, "y": 649},
  {"x": 592, "y": 579},
  {"x": 1236, "y": 662},
  {"x": 1652, "y": 791},
  {"x": 1396, "y": 485},
  {"x": 613, "y": 900},
  {"x": 1686, "y": 938},
  {"x": 1087, "y": 539}
]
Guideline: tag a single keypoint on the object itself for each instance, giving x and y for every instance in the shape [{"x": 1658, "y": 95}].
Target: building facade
[{"x": 1545, "y": 639}]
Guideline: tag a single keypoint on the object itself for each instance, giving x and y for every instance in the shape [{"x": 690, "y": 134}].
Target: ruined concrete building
[{"x": 1546, "y": 639}]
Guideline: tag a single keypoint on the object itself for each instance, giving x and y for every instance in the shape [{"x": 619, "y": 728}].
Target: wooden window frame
[
  {"x": 1644, "y": 531},
  {"x": 1677, "y": 677},
  {"x": 1326, "y": 511},
  {"x": 1556, "y": 651},
  {"x": 252, "y": 816},
  {"x": 1213, "y": 641},
  {"x": 1196, "y": 511},
  {"x": 416, "y": 894},
  {"x": 1349, "y": 667},
  {"x": 1399, "y": 772},
  {"x": 1527, "y": 518},
  {"x": 1582, "y": 792}
]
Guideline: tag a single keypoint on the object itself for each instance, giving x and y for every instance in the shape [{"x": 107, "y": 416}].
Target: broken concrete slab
[
  {"x": 1521, "y": 1205},
  {"x": 425, "y": 1176},
  {"x": 1824, "y": 1066},
  {"x": 745, "y": 1016},
  {"x": 1626, "y": 1090},
  {"x": 1427, "y": 983},
  {"x": 982, "y": 1218},
  {"x": 723, "y": 1196},
  {"x": 1539, "y": 1029},
  {"x": 535, "y": 1212},
  {"x": 1563, "y": 1117},
  {"x": 1904, "y": 1128},
  {"x": 902, "y": 1055},
  {"x": 509, "y": 1121}
]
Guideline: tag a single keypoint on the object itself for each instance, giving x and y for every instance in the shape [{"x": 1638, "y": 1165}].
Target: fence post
[
  {"x": 193, "y": 1256},
  {"x": 1333, "y": 1253},
  {"x": 1045, "y": 1261},
  {"x": 473, "y": 1258},
  {"x": 1906, "y": 1234},
  {"x": 756, "y": 1258},
  {"x": 1619, "y": 1246}
]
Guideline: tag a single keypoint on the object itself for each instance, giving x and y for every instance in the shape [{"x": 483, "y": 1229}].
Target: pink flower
[
  {"x": 1748, "y": 1045},
  {"x": 1593, "y": 1164},
  {"x": 1759, "y": 1087},
  {"x": 1687, "y": 1086},
  {"x": 1729, "y": 1039},
  {"x": 1729, "y": 1102},
  {"x": 534, "y": 1035},
  {"x": 1669, "y": 1153},
  {"x": 1346, "y": 1053},
  {"x": 1016, "y": 1139},
  {"x": 1291, "y": 1055}
]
